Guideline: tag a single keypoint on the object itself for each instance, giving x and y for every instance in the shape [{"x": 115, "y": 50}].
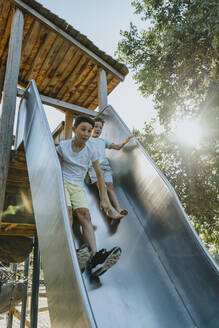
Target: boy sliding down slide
[
  {"x": 100, "y": 144},
  {"x": 75, "y": 156}
]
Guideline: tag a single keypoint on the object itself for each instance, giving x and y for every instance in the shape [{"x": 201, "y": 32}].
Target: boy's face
[
  {"x": 97, "y": 130},
  {"x": 82, "y": 131}
]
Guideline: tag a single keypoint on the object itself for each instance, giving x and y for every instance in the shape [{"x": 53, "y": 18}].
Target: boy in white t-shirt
[
  {"x": 100, "y": 144},
  {"x": 75, "y": 156}
]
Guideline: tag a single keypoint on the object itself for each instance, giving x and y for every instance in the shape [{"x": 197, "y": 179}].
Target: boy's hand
[
  {"x": 104, "y": 206},
  {"x": 128, "y": 138},
  {"x": 123, "y": 143}
]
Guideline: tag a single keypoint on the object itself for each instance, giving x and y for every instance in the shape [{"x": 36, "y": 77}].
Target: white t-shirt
[
  {"x": 100, "y": 144},
  {"x": 75, "y": 165}
]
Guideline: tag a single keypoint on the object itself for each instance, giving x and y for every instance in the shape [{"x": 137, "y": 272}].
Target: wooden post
[
  {"x": 35, "y": 285},
  {"x": 68, "y": 125},
  {"x": 2, "y": 67},
  {"x": 1, "y": 80},
  {"x": 13, "y": 269},
  {"x": 9, "y": 100},
  {"x": 24, "y": 294},
  {"x": 102, "y": 89}
]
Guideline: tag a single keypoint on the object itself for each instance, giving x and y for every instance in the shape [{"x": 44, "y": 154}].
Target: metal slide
[{"x": 164, "y": 279}]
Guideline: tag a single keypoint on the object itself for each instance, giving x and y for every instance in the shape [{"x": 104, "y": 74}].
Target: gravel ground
[{"x": 43, "y": 317}]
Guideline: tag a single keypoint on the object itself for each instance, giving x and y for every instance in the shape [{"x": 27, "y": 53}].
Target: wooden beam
[
  {"x": 78, "y": 73},
  {"x": 102, "y": 89},
  {"x": 10, "y": 226},
  {"x": 62, "y": 105},
  {"x": 19, "y": 224},
  {"x": 44, "y": 309},
  {"x": 16, "y": 229},
  {"x": 43, "y": 51},
  {"x": 25, "y": 233},
  {"x": 2, "y": 75},
  {"x": 5, "y": 23},
  {"x": 9, "y": 100},
  {"x": 58, "y": 129},
  {"x": 43, "y": 295},
  {"x": 80, "y": 61},
  {"x": 59, "y": 133},
  {"x": 58, "y": 30},
  {"x": 84, "y": 84},
  {"x": 68, "y": 125}
]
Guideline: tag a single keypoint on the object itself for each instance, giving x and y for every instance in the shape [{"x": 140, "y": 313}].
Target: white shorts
[{"x": 107, "y": 174}]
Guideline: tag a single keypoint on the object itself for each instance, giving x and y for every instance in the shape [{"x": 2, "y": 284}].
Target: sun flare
[{"x": 189, "y": 132}]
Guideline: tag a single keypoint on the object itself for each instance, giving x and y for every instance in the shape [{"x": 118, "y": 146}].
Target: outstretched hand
[
  {"x": 128, "y": 138},
  {"x": 104, "y": 205}
]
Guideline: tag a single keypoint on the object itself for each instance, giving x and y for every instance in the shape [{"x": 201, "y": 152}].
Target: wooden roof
[{"x": 63, "y": 62}]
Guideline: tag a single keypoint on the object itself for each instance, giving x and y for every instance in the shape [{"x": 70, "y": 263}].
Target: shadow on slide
[{"x": 165, "y": 277}]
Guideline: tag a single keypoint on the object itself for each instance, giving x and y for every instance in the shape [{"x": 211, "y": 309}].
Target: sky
[{"x": 101, "y": 21}]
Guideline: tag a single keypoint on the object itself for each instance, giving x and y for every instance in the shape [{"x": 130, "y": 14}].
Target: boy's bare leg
[
  {"x": 112, "y": 212},
  {"x": 83, "y": 216},
  {"x": 70, "y": 215},
  {"x": 114, "y": 200}
]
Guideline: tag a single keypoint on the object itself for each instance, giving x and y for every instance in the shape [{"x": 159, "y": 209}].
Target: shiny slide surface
[
  {"x": 67, "y": 298},
  {"x": 164, "y": 279}
]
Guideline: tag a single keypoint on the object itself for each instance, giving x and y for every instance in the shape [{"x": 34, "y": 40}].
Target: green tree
[
  {"x": 176, "y": 59},
  {"x": 192, "y": 173}
]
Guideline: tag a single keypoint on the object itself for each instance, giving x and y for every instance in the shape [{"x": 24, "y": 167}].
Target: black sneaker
[
  {"x": 103, "y": 260},
  {"x": 84, "y": 256}
]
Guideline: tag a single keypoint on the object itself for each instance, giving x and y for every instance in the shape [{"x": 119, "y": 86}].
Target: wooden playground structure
[{"x": 72, "y": 76}]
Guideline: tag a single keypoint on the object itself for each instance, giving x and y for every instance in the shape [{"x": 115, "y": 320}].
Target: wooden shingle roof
[{"x": 63, "y": 62}]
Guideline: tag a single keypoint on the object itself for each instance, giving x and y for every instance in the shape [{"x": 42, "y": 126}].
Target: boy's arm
[
  {"x": 122, "y": 143},
  {"x": 59, "y": 153},
  {"x": 60, "y": 158},
  {"x": 101, "y": 186}
]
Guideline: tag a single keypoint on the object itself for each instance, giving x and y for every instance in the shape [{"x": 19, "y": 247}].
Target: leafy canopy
[
  {"x": 176, "y": 58},
  {"x": 192, "y": 173}
]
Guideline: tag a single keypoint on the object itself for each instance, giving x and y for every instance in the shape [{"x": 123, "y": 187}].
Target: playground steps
[{"x": 18, "y": 218}]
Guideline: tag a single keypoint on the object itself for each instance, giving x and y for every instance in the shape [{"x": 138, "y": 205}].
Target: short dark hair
[
  {"x": 99, "y": 119},
  {"x": 82, "y": 118}
]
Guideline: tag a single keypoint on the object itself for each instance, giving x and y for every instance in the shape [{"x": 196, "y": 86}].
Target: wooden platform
[{"x": 18, "y": 218}]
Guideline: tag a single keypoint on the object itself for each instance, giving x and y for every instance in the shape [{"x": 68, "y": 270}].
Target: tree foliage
[
  {"x": 176, "y": 59},
  {"x": 192, "y": 173}
]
